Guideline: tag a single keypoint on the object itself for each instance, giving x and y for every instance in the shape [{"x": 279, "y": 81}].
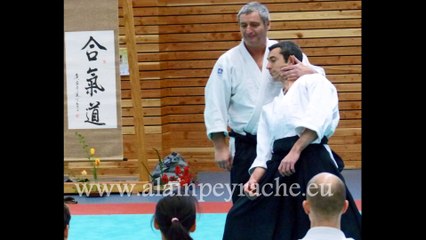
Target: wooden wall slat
[
  {"x": 224, "y": 45},
  {"x": 213, "y": 55},
  {"x": 213, "y": 3},
  {"x": 231, "y": 18},
  {"x": 204, "y": 64},
  {"x": 346, "y": 112},
  {"x": 146, "y": 84},
  {"x": 314, "y": 33},
  {"x": 344, "y": 78},
  {"x": 349, "y": 105},
  {"x": 347, "y": 100},
  {"x": 221, "y": 36},
  {"x": 232, "y": 27},
  {"x": 179, "y": 73},
  {"x": 203, "y": 72},
  {"x": 233, "y": 9},
  {"x": 341, "y": 69}
]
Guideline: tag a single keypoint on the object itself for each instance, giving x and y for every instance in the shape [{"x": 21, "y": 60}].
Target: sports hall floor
[{"x": 129, "y": 217}]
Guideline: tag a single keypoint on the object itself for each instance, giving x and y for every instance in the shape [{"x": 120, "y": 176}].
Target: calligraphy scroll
[{"x": 92, "y": 97}]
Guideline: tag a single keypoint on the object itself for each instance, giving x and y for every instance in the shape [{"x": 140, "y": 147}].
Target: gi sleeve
[{"x": 217, "y": 98}]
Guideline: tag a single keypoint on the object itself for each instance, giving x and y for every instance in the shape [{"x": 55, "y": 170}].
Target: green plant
[
  {"x": 161, "y": 164},
  {"x": 90, "y": 152}
]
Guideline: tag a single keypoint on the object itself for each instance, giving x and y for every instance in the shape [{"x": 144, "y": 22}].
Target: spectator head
[
  {"x": 67, "y": 218},
  {"x": 175, "y": 217},
  {"x": 325, "y": 198}
]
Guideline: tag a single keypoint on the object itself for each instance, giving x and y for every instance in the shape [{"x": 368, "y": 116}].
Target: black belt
[
  {"x": 285, "y": 144},
  {"x": 249, "y": 138}
]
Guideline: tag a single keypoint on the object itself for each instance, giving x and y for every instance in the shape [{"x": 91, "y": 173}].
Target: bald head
[{"x": 326, "y": 194}]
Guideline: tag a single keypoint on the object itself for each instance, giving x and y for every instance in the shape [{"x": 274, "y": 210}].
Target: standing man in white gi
[{"x": 238, "y": 86}]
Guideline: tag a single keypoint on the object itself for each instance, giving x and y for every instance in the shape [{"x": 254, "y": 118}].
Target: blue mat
[{"x": 138, "y": 227}]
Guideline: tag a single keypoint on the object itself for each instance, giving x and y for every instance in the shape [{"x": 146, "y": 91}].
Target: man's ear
[
  {"x": 345, "y": 206},
  {"x": 292, "y": 60},
  {"x": 306, "y": 207},
  {"x": 156, "y": 224},
  {"x": 193, "y": 227},
  {"x": 268, "y": 25}
]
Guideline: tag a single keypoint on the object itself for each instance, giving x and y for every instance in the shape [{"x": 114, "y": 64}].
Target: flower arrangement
[
  {"x": 90, "y": 156},
  {"x": 173, "y": 168},
  {"x": 183, "y": 177}
]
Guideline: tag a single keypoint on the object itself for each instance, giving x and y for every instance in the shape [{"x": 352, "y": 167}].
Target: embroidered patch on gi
[{"x": 219, "y": 71}]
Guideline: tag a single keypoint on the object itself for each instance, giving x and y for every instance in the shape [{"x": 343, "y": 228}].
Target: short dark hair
[
  {"x": 67, "y": 216},
  {"x": 288, "y": 48}
]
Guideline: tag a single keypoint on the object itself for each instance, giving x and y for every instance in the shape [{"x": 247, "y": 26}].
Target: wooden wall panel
[{"x": 178, "y": 41}]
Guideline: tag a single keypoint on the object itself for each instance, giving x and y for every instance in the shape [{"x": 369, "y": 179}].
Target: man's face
[
  {"x": 253, "y": 30},
  {"x": 275, "y": 63}
]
